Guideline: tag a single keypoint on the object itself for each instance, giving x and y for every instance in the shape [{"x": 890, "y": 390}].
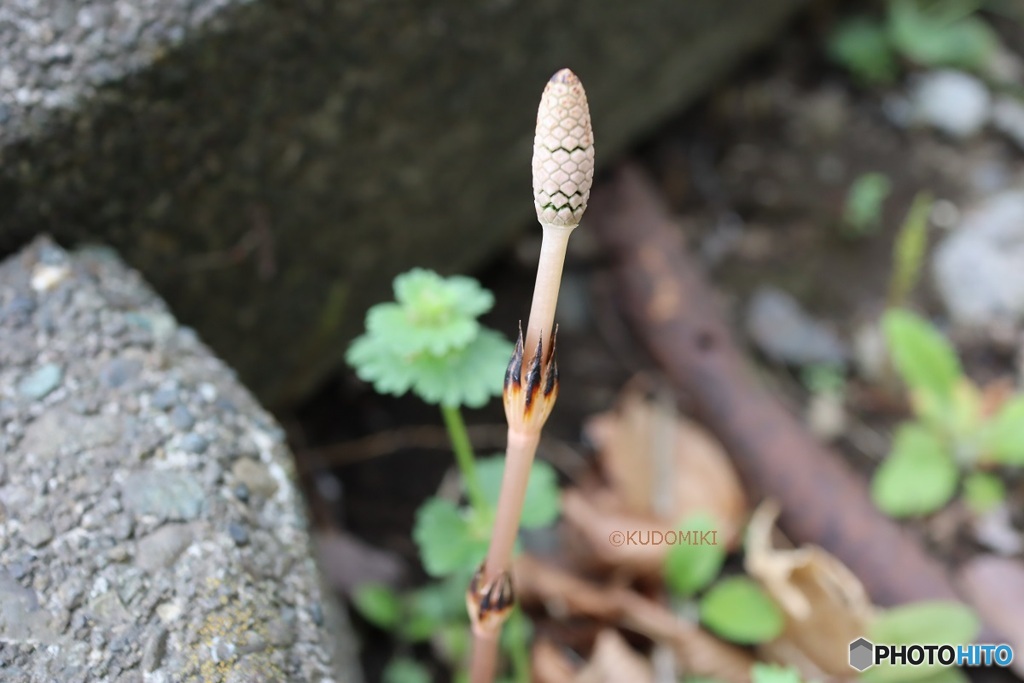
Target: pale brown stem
[
  {"x": 522, "y": 447},
  {"x": 485, "y": 659},
  {"x": 545, "y": 290}
]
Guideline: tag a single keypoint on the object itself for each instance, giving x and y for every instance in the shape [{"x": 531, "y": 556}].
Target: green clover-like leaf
[
  {"x": 861, "y": 45},
  {"x": 923, "y": 357},
  {"x": 922, "y": 622},
  {"x": 404, "y": 670},
  {"x": 465, "y": 377},
  {"x": 434, "y": 314},
  {"x": 378, "y": 604},
  {"x": 940, "y": 35},
  {"x": 394, "y": 326},
  {"x": 738, "y": 610},
  {"x": 773, "y": 673},
  {"x": 447, "y": 537},
  {"x": 433, "y": 297},
  {"x": 918, "y": 477},
  {"x": 1004, "y": 439},
  {"x": 543, "y": 500},
  {"x": 690, "y": 568},
  {"x": 983, "y": 492}
]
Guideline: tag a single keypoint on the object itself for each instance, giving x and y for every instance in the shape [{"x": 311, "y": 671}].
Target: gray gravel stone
[
  {"x": 160, "y": 549},
  {"x": 95, "y": 583},
  {"x": 786, "y": 334},
  {"x": 182, "y": 419},
  {"x": 977, "y": 269},
  {"x": 167, "y": 494},
  {"x": 37, "y": 533},
  {"x": 954, "y": 102},
  {"x": 254, "y": 476},
  {"x": 41, "y": 382}
]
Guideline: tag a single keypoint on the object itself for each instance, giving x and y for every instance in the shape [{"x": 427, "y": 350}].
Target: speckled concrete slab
[{"x": 149, "y": 526}]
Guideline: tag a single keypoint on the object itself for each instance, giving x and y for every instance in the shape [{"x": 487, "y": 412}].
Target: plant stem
[
  {"x": 522, "y": 447},
  {"x": 485, "y": 658},
  {"x": 545, "y": 290},
  {"x": 464, "y": 456}
]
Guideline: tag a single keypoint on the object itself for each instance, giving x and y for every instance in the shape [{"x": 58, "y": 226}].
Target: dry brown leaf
[
  {"x": 564, "y": 594},
  {"x": 826, "y": 606},
  {"x": 665, "y": 467},
  {"x": 548, "y": 664},
  {"x": 614, "y": 661},
  {"x": 995, "y": 586},
  {"x": 604, "y": 528}
]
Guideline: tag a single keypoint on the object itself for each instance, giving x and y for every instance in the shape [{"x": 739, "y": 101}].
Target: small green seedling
[
  {"x": 773, "y": 673},
  {"x": 922, "y": 622},
  {"x": 909, "y": 251},
  {"x": 950, "y": 432},
  {"x": 928, "y": 33},
  {"x": 429, "y": 341},
  {"x": 862, "y": 213},
  {"x": 734, "y": 608}
]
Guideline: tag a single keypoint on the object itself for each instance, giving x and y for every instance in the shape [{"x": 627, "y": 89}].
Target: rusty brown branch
[{"x": 671, "y": 307}]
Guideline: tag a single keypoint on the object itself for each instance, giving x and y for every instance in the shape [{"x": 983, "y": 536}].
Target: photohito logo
[{"x": 864, "y": 654}]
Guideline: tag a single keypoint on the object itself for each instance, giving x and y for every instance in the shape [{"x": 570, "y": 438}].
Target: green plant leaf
[
  {"x": 918, "y": 477},
  {"x": 690, "y": 568},
  {"x": 862, "y": 213},
  {"x": 462, "y": 377},
  {"x": 738, "y": 610},
  {"x": 1004, "y": 439},
  {"x": 923, "y": 357},
  {"x": 933, "y": 621},
  {"x": 435, "y": 297},
  {"x": 983, "y": 492},
  {"x": 404, "y": 670},
  {"x": 773, "y": 673},
  {"x": 378, "y": 604},
  {"x": 942, "y": 34},
  {"x": 445, "y": 537},
  {"x": 923, "y": 622},
  {"x": 543, "y": 501},
  {"x": 862, "y": 47},
  {"x": 394, "y": 326},
  {"x": 909, "y": 250},
  {"x": 435, "y": 604}
]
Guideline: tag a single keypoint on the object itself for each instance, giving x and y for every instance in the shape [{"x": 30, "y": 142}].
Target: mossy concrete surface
[{"x": 270, "y": 165}]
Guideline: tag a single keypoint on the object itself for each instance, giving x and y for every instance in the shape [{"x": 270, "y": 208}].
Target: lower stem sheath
[{"x": 518, "y": 462}]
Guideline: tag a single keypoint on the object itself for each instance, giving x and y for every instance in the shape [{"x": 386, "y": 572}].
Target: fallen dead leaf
[
  {"x": 665, "y": 468},
  {"x": 614, "y": 661},
  {"x": 826, "y": 606},
  {"x": 564, "y": 594},
  {"x": 995, "y": 586},
  {"x": 548, "y": 664}
]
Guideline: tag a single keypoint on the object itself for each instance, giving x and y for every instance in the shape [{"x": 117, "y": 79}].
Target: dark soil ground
[{"x": 757, "y": 174}]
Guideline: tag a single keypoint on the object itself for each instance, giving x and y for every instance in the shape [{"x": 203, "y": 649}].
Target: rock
[
  {"x": 161, "y": 548},
  {"x": 254, "y": 476},
  {"x": 977, "y": 269},
  {"x": 182, "y": 419},
  {"x": 954, "y": 102},
  {"x": 95, "y": 583},
  {"x": 391, "y": 136},
  {"x": 41, "y": 382},
  {"x": 167, "y": 494},
  {"x": 37, "y": 533},
  {"x": 1008, "y": 118},
  {"x": 786, "y": 334}
]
